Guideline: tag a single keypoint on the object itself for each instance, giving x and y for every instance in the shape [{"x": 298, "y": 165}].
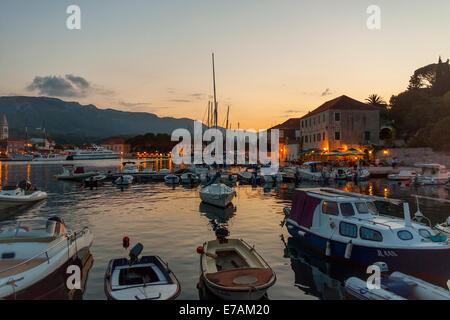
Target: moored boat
[
  {"x": 172, "y": 179},
  {"x": 71, "y": 172},
  {"x": 30, "y": 257},
  {"x": 23, "y": 193},
  {"x": 403, "y": 175},
  {"x": 145, "y": 278},
  {"x": 94, "y": 181},
  {"x": 217, "y": 194},
  {"x": 395, "y": 286},
  {"x": 347, "y": 226},
  {"x": 189, "y": 178},
  {"x": 432, "y": 174},
  {"x": 124, "y": 180},
  {"x": 233, "y": 270}
]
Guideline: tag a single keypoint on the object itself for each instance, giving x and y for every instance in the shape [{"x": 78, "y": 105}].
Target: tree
[
  {"x": 433, "y": 78},
  {"x": 376, "y": 100}
]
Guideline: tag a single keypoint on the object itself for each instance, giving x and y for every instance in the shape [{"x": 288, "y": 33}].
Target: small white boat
[
  {"x": 217, "y": 194},
  {"x": 190, "y": 178},
  {"x": 402, "y": 175},
  {"x": 172, "y": 179},
  {"x": 313, "y": 171},
  {"x": 74, "y": 173},
  {"x": 233, "y": 270},
  {"x": 396, "y": 286},
  {"x": 95, "y": 181},
  {"x": 124, "y": 180},
  {"x": 432, "y": 174},
  {"x": 268, "y": 175},
  {"x": 361, "y": 174},
  {"x": 146, "y": 278},
  {"x": 444, "y": 227},
  {"x": 129, "y": 168},
  {"x": 30, "y": 257},
  {"x": 21, "y": 194}
]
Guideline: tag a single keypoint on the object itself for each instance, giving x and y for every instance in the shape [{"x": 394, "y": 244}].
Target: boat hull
[
  {"x": 434, "y": 265},
  {"x": 32, "y": 277},
  {"x": 10, "y": 201}
]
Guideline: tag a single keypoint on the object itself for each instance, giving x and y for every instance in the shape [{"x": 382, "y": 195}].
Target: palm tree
[{"x": 376, "y": 100}]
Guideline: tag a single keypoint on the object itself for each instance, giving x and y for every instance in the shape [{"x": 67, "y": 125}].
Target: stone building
[
  {"x": 117, "y": 145},
  {"x": 4, "y": 134},
  {"x": 289, "y": 135},
  {"x": 340, "y": 124}
]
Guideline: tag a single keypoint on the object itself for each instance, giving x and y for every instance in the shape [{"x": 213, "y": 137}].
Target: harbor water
[{"x": 171, "y": 221}]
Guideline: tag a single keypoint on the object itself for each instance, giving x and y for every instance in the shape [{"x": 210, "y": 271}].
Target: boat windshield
[{"x": 366, "y": 207}]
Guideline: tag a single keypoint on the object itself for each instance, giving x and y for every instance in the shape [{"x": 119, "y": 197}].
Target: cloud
[
  {"x": 327, "y": 92},
  {"x": 69, "y": 86},
  {"x": 197, "y": 96},
  {"x": 180, "y": 100},
  {"x": 135, "y": 104}
]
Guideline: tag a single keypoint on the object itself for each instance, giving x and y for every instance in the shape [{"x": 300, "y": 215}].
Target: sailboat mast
[
  {"x": 214, "y": 86},
  {"x": 228, "y": 113},
  {"x": 209, "y": 115}
]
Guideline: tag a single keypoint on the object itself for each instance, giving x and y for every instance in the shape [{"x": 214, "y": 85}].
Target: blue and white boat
[{"x": 347, "y": 226}]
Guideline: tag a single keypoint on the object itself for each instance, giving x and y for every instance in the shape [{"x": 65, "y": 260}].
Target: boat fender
[
  {"x": 301, "y": 233},
  {"x": 126, "y": 242},
  {"x": 328, "y": 249},
  {"x": 348, "y": 250}
]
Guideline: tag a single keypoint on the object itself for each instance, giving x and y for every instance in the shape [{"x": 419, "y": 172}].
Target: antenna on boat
[{"x": 209, "y": 115}]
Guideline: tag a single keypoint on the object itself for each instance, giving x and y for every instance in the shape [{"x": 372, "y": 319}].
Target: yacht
[
  {"x": 348, "y": 226},
  {"x": 93, "y": 153},
  {"x": 20, "y": 157},
  {"x": 30, "y": 258}
]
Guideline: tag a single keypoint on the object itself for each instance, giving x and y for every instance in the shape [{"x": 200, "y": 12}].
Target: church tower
[{"x": 4, "y": 128}]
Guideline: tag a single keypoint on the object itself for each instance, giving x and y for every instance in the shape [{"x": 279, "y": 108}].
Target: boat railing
[
  {"x": 373, "y": 222},
  {"x": 70, "y": 236}
]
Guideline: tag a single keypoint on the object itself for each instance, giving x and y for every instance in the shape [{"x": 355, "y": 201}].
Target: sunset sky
[{"x": 274, "y": 59}]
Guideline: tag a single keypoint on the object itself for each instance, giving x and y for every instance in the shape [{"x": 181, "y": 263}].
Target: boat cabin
[{"x": 345, "y": 216}]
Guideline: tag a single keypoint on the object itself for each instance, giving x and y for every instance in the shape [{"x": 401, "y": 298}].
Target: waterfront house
[
  {"x": 118, "y": 145},
  {"x": 340, "y": 124},
  {"x": 289, "y": 134}
]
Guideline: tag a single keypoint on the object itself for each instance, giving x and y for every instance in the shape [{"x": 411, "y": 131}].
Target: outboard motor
[
  {"x": 55, "y": 226},
  {"x": 222, "y": 234},
  {"x": 135, "y": 252},
  {"x": 25, "y": 185}
]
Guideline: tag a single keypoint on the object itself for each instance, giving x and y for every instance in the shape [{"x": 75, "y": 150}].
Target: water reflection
[
  {"x": 218, "y": 217},
  {"x": 316, "y": 275}
]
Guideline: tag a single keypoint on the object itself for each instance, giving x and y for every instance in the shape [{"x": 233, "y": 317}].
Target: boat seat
[
  {"x": 236, "y": 277},
  {"x": 5, "y": 264}
]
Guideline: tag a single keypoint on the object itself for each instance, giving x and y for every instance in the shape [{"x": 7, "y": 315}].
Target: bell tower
[{"x": 4, "y": 128}]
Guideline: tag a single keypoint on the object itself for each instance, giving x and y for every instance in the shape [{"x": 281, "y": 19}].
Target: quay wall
[{"x": 410, "y": 156}]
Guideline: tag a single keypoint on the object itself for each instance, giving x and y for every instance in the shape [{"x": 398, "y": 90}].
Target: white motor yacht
[{"x": 29, "y": 257}]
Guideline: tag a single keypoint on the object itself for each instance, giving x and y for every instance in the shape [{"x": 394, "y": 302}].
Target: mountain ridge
[{"x": 83, "y": 123}]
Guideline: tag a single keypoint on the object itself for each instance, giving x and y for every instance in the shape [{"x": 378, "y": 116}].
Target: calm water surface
[{"x": 172, "y": 222}]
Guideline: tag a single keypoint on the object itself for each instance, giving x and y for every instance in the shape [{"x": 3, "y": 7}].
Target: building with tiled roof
[{"x": 339, "y": 124}]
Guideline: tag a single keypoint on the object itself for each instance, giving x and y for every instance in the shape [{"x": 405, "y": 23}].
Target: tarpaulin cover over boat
[{"x": 303, "y": 207}]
